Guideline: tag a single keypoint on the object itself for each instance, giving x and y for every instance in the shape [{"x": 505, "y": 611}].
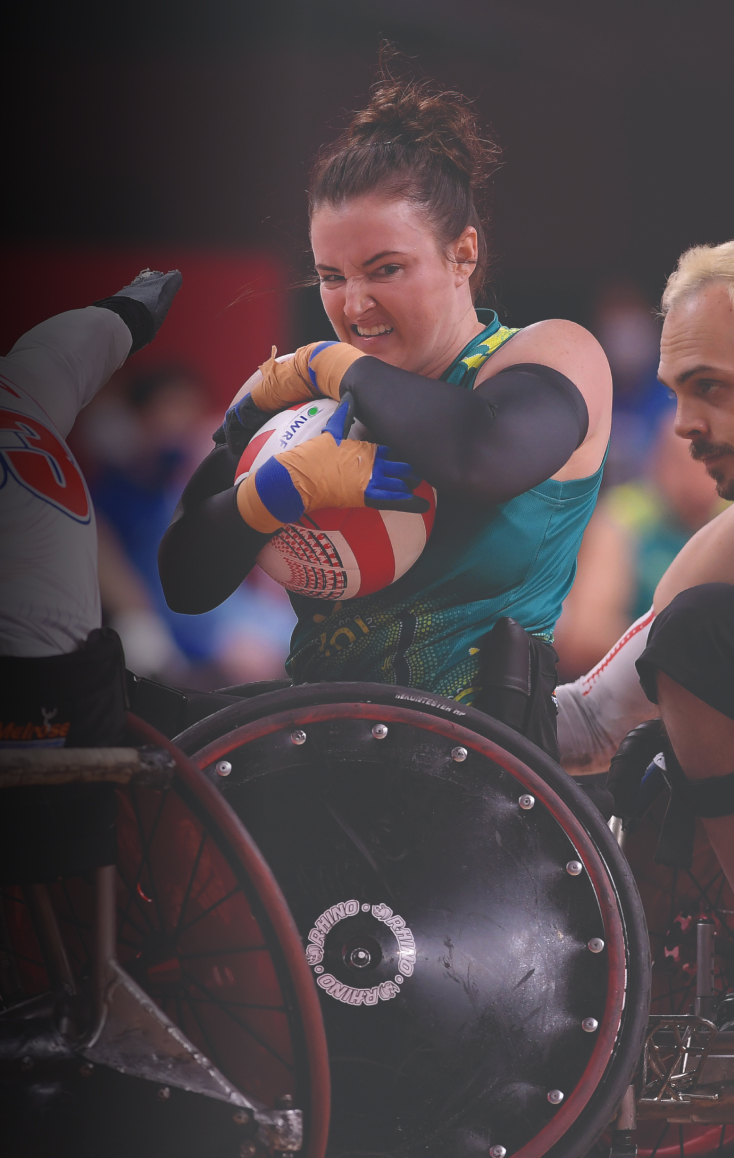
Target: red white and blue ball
[{"x": 335, "y": 553}]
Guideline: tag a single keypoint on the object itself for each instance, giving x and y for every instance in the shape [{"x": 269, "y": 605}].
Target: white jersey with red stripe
[
  {"x": 49, "y": 591},
  {"x": 597, "y": 711}
]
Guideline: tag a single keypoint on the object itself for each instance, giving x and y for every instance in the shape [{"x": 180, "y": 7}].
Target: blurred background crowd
[{"x": 180, "y": 134}]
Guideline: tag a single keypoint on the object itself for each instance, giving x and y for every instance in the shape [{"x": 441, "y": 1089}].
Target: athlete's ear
[{"x": 463, "y": 254}]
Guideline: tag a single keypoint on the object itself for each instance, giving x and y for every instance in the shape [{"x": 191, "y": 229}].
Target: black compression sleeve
[
  {"x": 488, "y": 445},
  {"x": 208, "y": 549},
  {"x": 136, "y": 317}
]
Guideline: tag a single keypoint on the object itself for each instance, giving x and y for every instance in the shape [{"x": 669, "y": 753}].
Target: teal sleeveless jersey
[{"x": 480, "y": 563}]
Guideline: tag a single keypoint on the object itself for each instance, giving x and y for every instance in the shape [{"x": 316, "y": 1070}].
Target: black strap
[
  {"x": 689, "y": 799},
  {"x": 136, "y": 317}
]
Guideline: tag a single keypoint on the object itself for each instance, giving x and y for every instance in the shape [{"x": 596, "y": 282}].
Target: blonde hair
[{"x": 697, "y": 267}]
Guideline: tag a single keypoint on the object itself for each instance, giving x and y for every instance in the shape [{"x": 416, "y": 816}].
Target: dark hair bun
[
  {"x": 416, "y": 142},
  {"x": 440, "y": 123}
]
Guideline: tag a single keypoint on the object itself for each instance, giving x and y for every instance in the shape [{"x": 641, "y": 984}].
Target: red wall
[{"x": 223, "y": 342}]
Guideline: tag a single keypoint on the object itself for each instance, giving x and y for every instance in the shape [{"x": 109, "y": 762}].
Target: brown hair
[{"x": 416, "y": 143}]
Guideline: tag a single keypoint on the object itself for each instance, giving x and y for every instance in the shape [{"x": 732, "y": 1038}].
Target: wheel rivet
[
  {"x": 241, "y": 1117},
  {"x": 459, "y": 754},
  {"x": 497, "y": 1152},
  {"x": 164, "y": 1093},
  {"x": 527, "y": 801},
  {"x": 86, "y": 1070},
  {"x": 555, "y": 1097},
  {"x": 284, "y": 1102},
  {"x": 248, "y": 1149},
  {"x": 379, "y": 731},
  {"x": 574, "y": 867},
  {"x": 298, "y": 737},
  {"x": 595, "y": 945},
  {"x": 223, "y": 768},
  {"x": 589, "y": 1025}
]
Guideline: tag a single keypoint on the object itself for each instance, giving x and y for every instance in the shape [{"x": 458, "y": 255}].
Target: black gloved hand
[
  {"x": 637, "y": 750},
  {"x": 240, "y": 423},
  {"x": 144, "y": 303}
]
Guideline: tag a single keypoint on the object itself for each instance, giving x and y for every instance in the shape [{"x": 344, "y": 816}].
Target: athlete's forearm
[
  {"x": 208, "y": 550},
  {"x": 597, "y": 711},
  {"x": 708, "y": 557},
  {"x": 516, "y": 430},
  {"x": 62, "y": 362}
]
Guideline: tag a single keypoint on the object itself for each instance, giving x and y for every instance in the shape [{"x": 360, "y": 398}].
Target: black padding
[
  {"x": 629, "y": 764},
  {"x": 692, "y": 641},
  {"x": 208, "y": 549},
  {"x": 136, "y": 317},
  {"x": 517, "y": 678},
  {"x": 488, "y": 445},
  {"x": 713, "y": 796}
]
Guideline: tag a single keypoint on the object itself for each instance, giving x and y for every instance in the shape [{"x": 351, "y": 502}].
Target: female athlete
[{"x": 510, "y": 427}]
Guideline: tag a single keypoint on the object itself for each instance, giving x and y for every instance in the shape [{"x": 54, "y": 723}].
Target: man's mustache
[{"x": 702, "y": 449}]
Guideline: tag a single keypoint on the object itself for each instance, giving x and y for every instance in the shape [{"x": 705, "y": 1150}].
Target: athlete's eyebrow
[
  {"x": 384, "y": 253},
  {"x": 681, "y": 378},
  {"x": 370, "y": 261}
]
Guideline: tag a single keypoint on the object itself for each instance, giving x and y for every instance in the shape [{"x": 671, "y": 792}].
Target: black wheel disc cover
[{"x": 447, "y": 936}]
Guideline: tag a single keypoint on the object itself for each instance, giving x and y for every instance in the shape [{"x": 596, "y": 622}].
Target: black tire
[{"x": 222, "y": 734}]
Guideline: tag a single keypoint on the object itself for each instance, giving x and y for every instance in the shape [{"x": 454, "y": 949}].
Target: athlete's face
[
  {"x": 386, "y": 286},
  {"x": 697, "y": 363}
]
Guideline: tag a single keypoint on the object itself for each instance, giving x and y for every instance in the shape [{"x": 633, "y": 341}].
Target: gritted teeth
[{"x": 372, "y": 331}]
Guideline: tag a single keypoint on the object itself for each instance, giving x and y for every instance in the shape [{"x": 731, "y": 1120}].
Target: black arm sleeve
[
  {"x": 488, "y": 445},
  {"x": 208, "y": 548}
]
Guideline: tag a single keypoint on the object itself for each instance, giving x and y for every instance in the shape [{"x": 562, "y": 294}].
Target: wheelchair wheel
[
  {"x": 674, "y": 899},
  {"x": 476, "y": 935},
  {"x": 202, "y": 926}
]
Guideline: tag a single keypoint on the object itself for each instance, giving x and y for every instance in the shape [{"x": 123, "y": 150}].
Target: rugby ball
[{"x": 336, "y": 553}]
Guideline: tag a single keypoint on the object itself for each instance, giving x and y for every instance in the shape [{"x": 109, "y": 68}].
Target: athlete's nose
[
  {"x": 689, "y": 419},
  {"x": 357, "y": 300}
]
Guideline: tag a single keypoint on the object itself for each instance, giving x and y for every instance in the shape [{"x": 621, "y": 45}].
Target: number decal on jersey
[{"x": 40, "y": 462}]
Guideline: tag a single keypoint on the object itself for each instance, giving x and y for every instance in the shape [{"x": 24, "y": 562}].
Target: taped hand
[
  {"x": 314, "y": 371},
  {"x": 328, "y": 471}
]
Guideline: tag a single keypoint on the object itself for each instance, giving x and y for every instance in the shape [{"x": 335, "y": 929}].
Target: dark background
[{"x": 180, "y": 125}]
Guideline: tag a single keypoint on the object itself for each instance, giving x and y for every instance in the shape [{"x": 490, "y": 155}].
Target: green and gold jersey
[{"x": 480, "y": 563}]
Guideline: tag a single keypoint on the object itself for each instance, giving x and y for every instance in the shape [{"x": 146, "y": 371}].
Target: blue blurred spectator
[
  {"x": 629, "y": 332},
  {"x": 145, "y": 436}
]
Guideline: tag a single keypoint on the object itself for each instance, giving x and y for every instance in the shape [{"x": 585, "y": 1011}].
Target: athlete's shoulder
[
  {"x": 567, "y": 347},
  {"x": 549, "y": 341}
]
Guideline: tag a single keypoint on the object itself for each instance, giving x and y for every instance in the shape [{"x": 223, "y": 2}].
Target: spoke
[
  {"x": 224, "y": 1006},
  {"x": 127, "y": 921},
  {"x": 30, "y": 960},
  {"x": 206, "y": 912},
  {"x": 702, "y": 894},
  {"x": 190, "y": 885},
  {"x": 657, "y": 1144},
  {"x": 17, "y": 900},
  {"x": 212, "y": 1052},
  {"x": 145, "y": 847},
  {"x": 221, "y": 952},
  {"x": 680, "y": 989},
  {"x": 673, "y": 897},
  {"x": 80, "y": 926}
]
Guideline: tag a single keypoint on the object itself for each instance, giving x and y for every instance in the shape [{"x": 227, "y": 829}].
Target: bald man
[{"x": 683, "y": 650}]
